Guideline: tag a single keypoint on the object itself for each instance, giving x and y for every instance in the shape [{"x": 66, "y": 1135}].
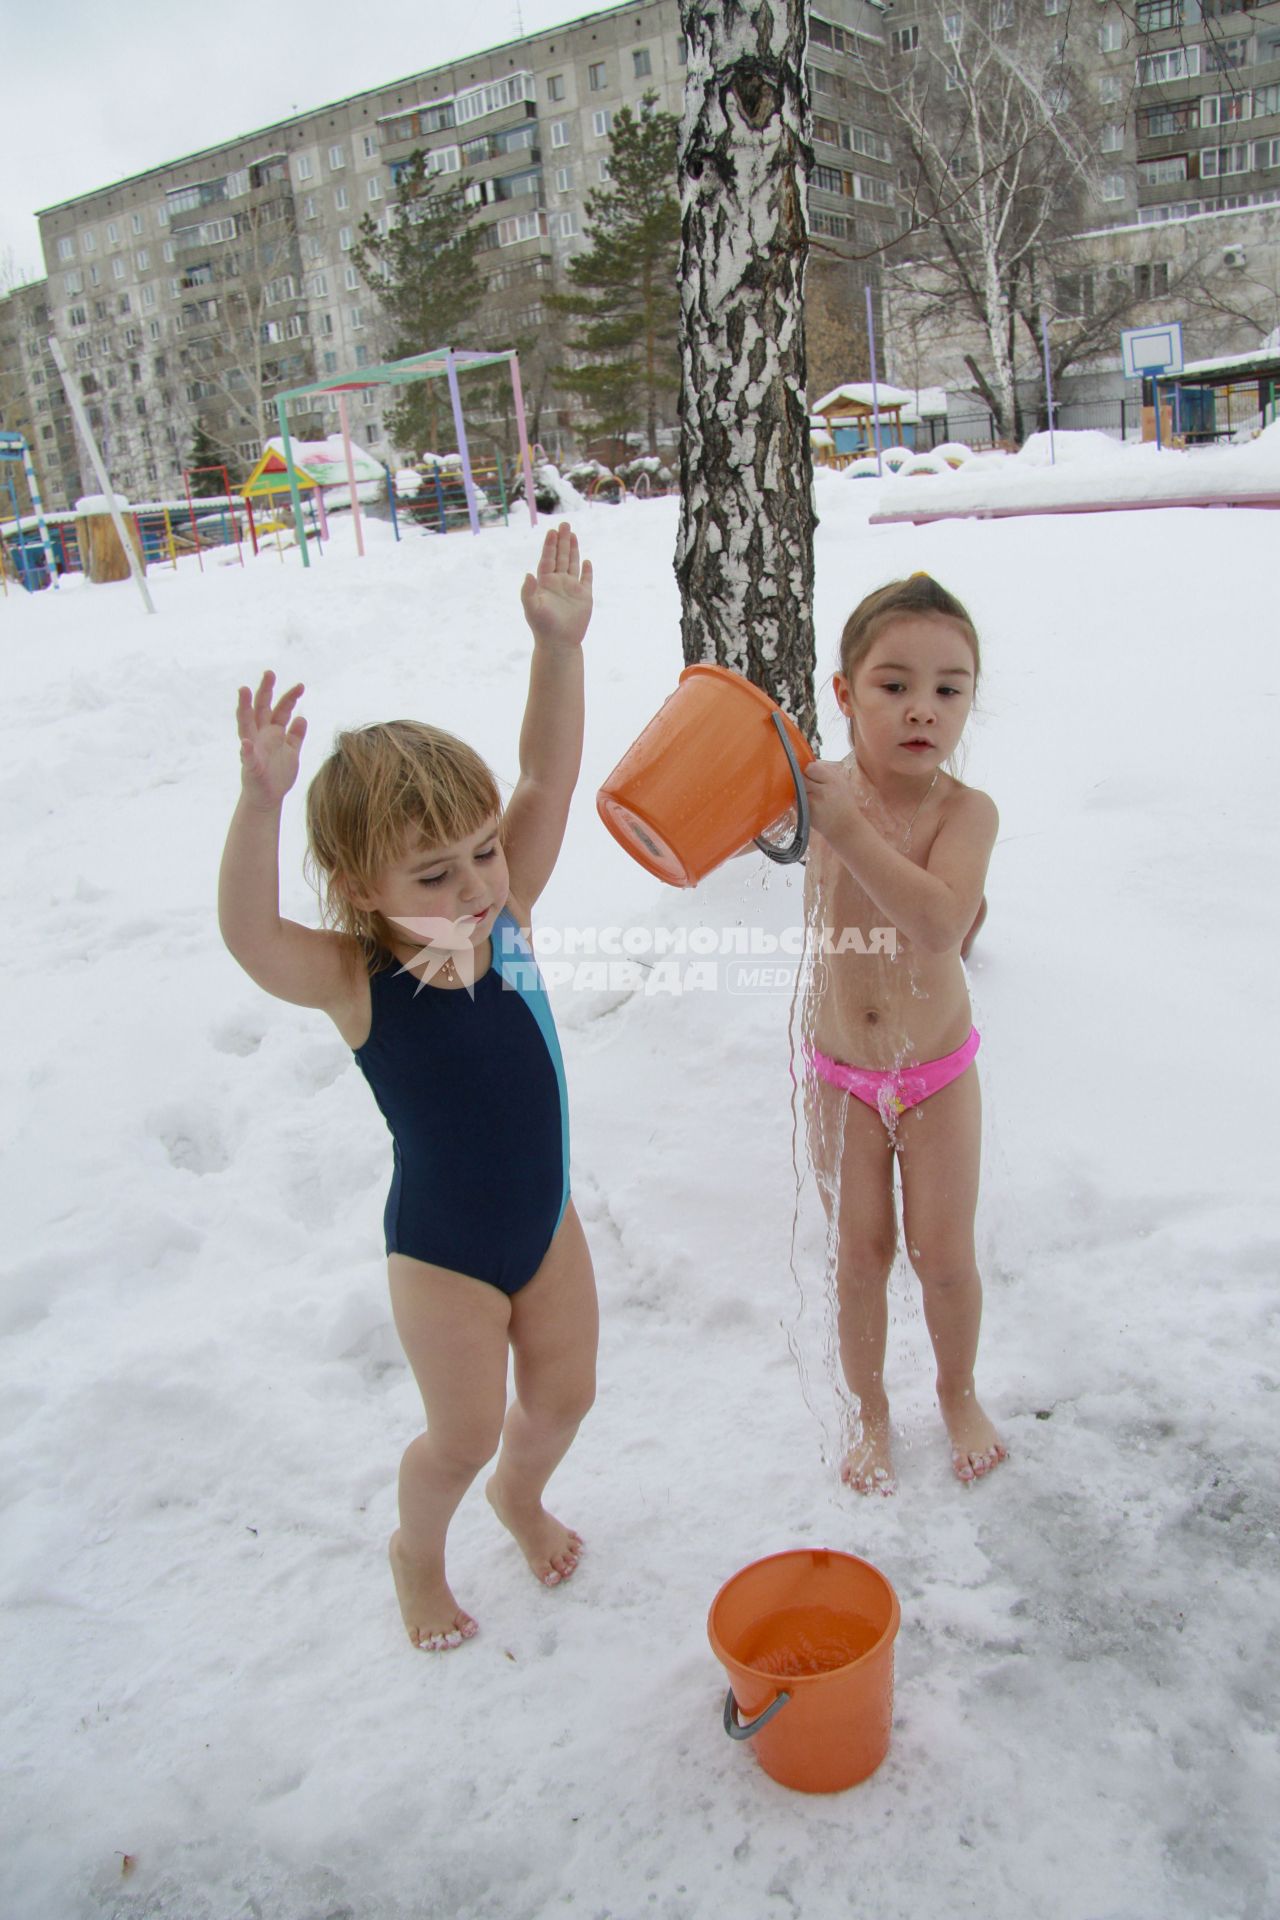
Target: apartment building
[
  {"x": 32, "y": 401},
  {"x": 192, "y": 289},
  {"x": 1183, "y": 98}
]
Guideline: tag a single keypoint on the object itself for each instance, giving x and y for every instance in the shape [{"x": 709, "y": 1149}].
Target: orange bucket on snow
[
  {"x": 716, "y": 767},
  {"x": 806, "y": 1638}
]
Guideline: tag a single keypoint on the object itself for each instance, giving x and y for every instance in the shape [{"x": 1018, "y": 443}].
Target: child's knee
[
  {"x": 866, "y": 1258},
  {"x": 465, "y": 1448}
]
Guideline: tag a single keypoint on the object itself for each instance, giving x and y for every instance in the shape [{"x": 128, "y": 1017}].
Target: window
[
  {"x": 1109, "y": 89},
  {"x": 337, "y": 159},
  {"x": 905, "y": 39},
  {"x": 1162, "y": 173},
  {"x": 319, "y": 286},
  {"x": 564, "y": 179},
  {"x": 113, "y": 233},
  {"x": 1150, "y": 282},
  {"x": 952, "y": 79},
  {"x": 1220, "y": 56},
  {"x": 142, "y": 259},
  {"x": 1220, "y": 109},
  {"x": 601, "y": 122},
  {"x": 362, "y": 356},
  {"x": 555, "y": 87},
  {"x": 148, "y": 299},
  {"x": 117, "y": 267},
  {"x": 1266, "y": 153},
  {"x": 324, "y": 324},
  {"x": 95, "y": 276},
  {"x": 1215, "y": 161},
  {"x": 562, "y": 226},
  {"x": 524, "y": 226},
  {"x": 867, "y": 187},
  {"x": 370, "y": 144},
  {"x": 238, "y": 183},
  {"x": 330, "y": 362},
  {"x": 305, "y": 168},
  {"x": 1112, "y": 137},
  {"x": 132, "y": 338},
  {"x": 155, "y": 329},
  {"x": 88, "y": 241},
  {"x": 351, "y": 278},
  {"x": 309, "y": 207},
  {"x": 640, "y": 62},
  {"x": 830, "y": 179},
  {"x": 77, "y": 317},
  {"x": 167, "y": 251},
  {"x": 355, "y": 317},
  {"x": 1155, "y": 121},
  {"x": 834, "y": 225},
  {"x": 559, "y": 133},
  {"x": 135, "y": 221},
  {"x": 1177, "y": 63},
  {"x": 1267, "y": 99},
  {"x": 66, "y": 248},
  {"x": 295, "y": 326},
  {"x": 1055, "y": 6},
  {"x": 73, "y": 282},
  {"x": 597, "y": 76},
  {"x": 375, "y": 186},
  {"x": 340, "y": 199},
  {"x": 951, "y": 28},
  {"x": 1154, "y": 16},
  {"x": 1111, "y": 36},
  {"x": 1113, "y": 186}
]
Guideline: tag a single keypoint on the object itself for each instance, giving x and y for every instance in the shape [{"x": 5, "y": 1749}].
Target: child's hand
[
  {"x": 833, "y": 797},
  {"x": 557, "y": 604},
  {"x": 270, "y": 742}
]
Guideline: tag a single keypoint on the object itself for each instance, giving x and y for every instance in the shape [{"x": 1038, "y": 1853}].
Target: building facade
[{"x": 197, "y": 290}]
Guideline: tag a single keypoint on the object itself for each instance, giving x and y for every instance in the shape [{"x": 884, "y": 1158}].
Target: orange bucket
[
  {"x": 717, "y": 765},
  {"x": 806, "y": 1638}
]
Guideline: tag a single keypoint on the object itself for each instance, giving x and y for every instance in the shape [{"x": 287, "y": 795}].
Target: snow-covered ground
[
  {"x": 1074, "y": 472},
  {"x": 203, "y": 1402}
]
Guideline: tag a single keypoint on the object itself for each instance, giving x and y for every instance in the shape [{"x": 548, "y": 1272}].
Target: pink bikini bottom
[{"x": 891, "y": 1092}]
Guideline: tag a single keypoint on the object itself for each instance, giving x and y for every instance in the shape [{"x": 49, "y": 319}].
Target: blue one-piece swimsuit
[{"x": 473, "y": 1091}]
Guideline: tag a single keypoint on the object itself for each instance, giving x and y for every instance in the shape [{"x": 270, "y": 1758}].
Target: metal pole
[
  {"x": 295, "y": 491},
  {"x": 875, "y": 389},
  {"x": 469, "y": 485},
  {"x": 351, "y": 473},
  {"x": 71, "y": 387},
  {"x": 1048, "y": 381},
  {"x": 521, "y": 429}
]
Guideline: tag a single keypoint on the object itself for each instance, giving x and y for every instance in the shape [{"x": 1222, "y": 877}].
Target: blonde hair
[
  {"x": 382, "y": 788},
  {"x": 920, "y": 594}
]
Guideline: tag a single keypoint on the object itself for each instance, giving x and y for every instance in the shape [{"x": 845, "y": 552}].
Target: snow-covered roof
[
  {"x": 1262, "y": 359},
  {"x": 917, "y": 403},
  {"x": 326, "y": 461}
]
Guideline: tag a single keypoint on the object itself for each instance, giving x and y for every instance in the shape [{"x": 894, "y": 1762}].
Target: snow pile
[
  {"x": 1084, "y": 470},
  {"x": 203, "y": 1397}
]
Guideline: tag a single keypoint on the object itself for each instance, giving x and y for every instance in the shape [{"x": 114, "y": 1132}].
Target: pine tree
[
  {"x": 205, "y": 452},
  {"x": 624, "y": 291},
  {"x": 423, "y": 272}
]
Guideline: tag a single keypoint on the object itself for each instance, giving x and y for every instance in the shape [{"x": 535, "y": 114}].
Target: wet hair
[
  {"x": 382, "y": 790},
  {"x": 920, "y": 594}
]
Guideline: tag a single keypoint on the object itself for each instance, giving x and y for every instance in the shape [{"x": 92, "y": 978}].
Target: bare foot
[
  {"x": 551, "y": 1548},
  {"x": 433, "y": 1619},
  {"x": 868, "y": 1465},
  {"x": 976, "y": 1447}
]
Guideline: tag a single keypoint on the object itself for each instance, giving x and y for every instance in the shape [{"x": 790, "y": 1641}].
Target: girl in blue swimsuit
[{"x": 426, "y": 970}]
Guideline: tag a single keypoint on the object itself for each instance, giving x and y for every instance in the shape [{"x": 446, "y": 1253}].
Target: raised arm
[
  {"x": 934, "y": 906},
  {"x": 557, "y": 606},
  {"x": 293, "y": 962}
]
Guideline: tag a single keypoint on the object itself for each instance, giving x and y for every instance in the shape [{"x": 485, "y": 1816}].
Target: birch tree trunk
[{"x": 744, "y": 558}]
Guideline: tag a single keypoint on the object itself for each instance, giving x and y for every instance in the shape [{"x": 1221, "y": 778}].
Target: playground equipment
[
  {"x": 31, "y": 555},
  {"x": 274, "y": 477},
  {"x": 440, "y": 500},
  {"x": 717, "y": 768},
  {"x": 441, "y": 363},
  {"x": 196, "y": 530},
  {"x": 806, "y": 1639}
]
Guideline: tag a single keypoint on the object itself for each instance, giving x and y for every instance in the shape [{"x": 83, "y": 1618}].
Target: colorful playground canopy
[{"x": 440, "y": 363}]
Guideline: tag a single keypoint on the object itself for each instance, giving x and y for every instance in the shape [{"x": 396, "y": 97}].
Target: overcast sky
[{"x": 93, "y": 94}]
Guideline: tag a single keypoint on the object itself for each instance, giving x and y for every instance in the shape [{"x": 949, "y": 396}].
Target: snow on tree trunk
[{"x": 744, "y": 557}]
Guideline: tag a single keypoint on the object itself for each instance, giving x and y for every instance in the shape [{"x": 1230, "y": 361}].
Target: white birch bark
[{"x": 745, "y": 553}]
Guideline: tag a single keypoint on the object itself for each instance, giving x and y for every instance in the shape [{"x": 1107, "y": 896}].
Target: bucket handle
[
  {"x": 799, "y": 844},
  {"x": 743, "y": 1730}
]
